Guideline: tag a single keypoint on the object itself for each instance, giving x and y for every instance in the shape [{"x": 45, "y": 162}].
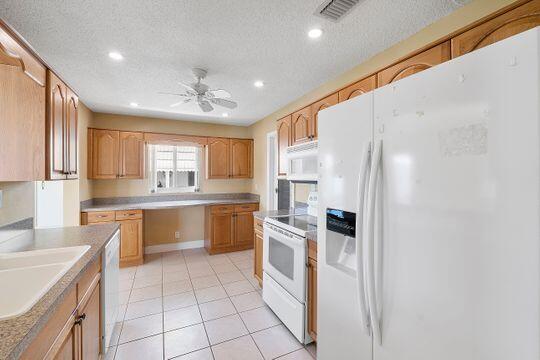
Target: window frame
[{"x": 153, "y": 188}]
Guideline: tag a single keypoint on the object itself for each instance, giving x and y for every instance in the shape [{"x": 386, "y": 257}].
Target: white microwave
[{"x": 302, "y": 162}]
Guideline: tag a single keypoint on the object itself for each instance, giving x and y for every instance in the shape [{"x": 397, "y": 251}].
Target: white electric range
[{"x": 284, "y": 270}]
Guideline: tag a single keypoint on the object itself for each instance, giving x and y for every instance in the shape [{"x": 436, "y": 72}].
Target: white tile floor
[{"x": 189, "y": 305}]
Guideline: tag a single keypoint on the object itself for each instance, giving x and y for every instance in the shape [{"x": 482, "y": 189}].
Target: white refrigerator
[{"x": 429, "y": 213}]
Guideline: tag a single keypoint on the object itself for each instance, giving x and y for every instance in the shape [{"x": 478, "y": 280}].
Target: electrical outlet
[{"x": 177, "y": 234}]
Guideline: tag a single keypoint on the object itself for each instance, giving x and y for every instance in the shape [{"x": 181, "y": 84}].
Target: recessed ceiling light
[
  {"x": 315, "y": 33},
  {"x": 225, "y": 114},
  {"x": 133, "y": 104},
  {"x": 258, "y": 83},
  {"x": 116, "y": 56}
]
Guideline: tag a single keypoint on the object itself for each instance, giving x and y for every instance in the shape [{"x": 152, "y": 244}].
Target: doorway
[{"x": 271, "y": 171}]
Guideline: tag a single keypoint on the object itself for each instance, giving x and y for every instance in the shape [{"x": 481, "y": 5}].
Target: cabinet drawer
[
  {"x": 100, "y": 216},
  {"x": 246, "y": 207},
  {"x": 259, "y": 225},
  {"x": 87, "y": 278},
  {"x": 222, "y": 209},
  {"x": 129, "y": 215}
]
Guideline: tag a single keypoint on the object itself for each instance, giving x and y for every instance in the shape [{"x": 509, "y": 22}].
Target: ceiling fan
[{"x": 202, "y": 94}]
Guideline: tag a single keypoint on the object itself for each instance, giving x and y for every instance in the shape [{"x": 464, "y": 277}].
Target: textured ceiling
[{"x": 238, "y": 41}]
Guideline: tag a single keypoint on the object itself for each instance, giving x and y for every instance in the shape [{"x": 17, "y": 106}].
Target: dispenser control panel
[{"x": 340, "y": 221}]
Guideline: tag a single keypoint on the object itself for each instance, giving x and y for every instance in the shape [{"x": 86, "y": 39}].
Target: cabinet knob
[{"x": 80, "y": 319}]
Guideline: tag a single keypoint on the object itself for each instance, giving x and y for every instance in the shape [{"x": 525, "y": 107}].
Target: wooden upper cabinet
[
  {"x": 103, "y": 152},
  {"x": 520, "y": 19},
  {"x": 14, "y": 54},
  {"x": 71, "y": 134},
  {"x": 218, "y": 156},
  {"x": 328, "y": 101},
  {"x": 131, "y": 155},
  {"x": 358, "y": 88},
  {"x": 61, "y": 130},
  {"x": 56, "y": 127},
  {"x": 420, "y": 62},
  {"x": 284, "y": 141},
  {"x": 22, "y": 113},
  {"x": 300, "y": 124},
  {"x": 241, "y": 158}
]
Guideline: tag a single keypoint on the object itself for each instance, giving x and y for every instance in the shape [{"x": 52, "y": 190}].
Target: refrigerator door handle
[
  {"x": 360, "y": 277},
  {"x": 370, "y": 236}
]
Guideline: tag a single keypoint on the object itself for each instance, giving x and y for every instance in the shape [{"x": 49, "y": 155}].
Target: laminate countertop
[
  {"x": 17, "y": 333},
  {"x": 167, "y": 204}
]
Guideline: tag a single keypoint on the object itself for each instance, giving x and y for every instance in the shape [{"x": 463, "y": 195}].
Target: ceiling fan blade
[
  {"x": 229, "y": 104},
  {"x": 181, "y": 102},
  {"x": 205, "y": 106},
  {"x": 167, "y": 93},
  {"x": 188, "y": 87},
  {"x": 218, "y": 93}
]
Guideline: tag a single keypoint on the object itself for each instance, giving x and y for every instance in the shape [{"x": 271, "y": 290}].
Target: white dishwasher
[{"x": 109, "y": 289}]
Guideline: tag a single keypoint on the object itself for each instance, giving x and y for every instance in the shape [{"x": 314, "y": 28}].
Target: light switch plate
[{"x": 1, "y": 199}]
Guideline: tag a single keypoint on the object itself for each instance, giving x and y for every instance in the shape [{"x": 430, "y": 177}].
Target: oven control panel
[{"x": 341, "y": 222}]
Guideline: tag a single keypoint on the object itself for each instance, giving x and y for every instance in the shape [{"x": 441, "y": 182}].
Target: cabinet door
[
  {"x": 243, "y": 229},
  {"x": 318, "y": 106},
  {"x": 68, "y": 350},
  {"x": 90, "y": 329},
  {"x": 312, "y": 298},
  {"x": 131, "y": 235},
  {"x": 217, "y": 160},
  {"x": 131, "y": 155},
  {"x": 258, "y": 267},
  {"x": 241, "y": 158},
  {"x": 71, "y": 134},
  {"x": 358, "y": 88},
  {"x": 221, "y": 230},
  {"x": 104, "y": 153},
  {"x": 22, "y": 113},
  {"x": 523, "y": 18},
  {"x": 301, "y": 121},
  {"x": 284, "y": 141},
  {"x": 425, "y": 60},
  {"x": 56, "y": 116}
]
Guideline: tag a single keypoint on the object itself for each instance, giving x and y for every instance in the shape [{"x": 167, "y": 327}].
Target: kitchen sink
[{"x": 26, "y": 276}]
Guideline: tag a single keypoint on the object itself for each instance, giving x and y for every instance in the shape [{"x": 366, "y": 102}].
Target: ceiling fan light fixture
[
  {"x": 258, "y": 84},
  {"x": 225, "y": 114}
]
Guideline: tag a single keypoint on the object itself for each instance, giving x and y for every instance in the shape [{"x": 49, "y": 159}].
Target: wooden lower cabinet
[
  {"x": 131, "y": 242},
  {"x": 229, "y": 228},
  {"x": 131, "y": 232},
  {"x": 312, "y": 291},
  {"x": 89, "y": 320},
  {"x": 258, "y": 258},
  {"x": 73, "y": 331}
]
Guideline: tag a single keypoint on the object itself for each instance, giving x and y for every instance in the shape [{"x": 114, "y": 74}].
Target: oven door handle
[{"x": 284, "y": 238}]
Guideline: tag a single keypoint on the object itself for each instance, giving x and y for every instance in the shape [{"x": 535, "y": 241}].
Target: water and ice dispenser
[{"x": 341, "y": 240}]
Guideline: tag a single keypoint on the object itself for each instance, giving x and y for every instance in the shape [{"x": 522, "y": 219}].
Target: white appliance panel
[
  {"x": 457, "y": 242},
  {"x": 110, "y": 289},
  {"x": 285, "y": 306},
  {"x": 284, "y": 259},
  {"x": 345, "y": 131}
]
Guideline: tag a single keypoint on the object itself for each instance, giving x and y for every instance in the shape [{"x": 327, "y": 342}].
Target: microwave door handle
[
  {"x": 370, "y": 249},
  {"x": 363, "y": 175}
]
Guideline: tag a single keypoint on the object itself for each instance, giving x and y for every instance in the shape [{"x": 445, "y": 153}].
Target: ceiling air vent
[{"x": 334, "y": 10}]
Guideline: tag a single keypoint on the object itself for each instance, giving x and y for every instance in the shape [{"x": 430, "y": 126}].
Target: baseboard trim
[{"x": 154, "y": 249}]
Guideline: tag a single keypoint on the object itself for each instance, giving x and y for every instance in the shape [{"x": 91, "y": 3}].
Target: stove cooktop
[{"x": 301, "y": 222}]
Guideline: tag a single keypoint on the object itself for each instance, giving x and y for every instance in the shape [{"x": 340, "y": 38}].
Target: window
[{"x": 174, "y": 168}]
